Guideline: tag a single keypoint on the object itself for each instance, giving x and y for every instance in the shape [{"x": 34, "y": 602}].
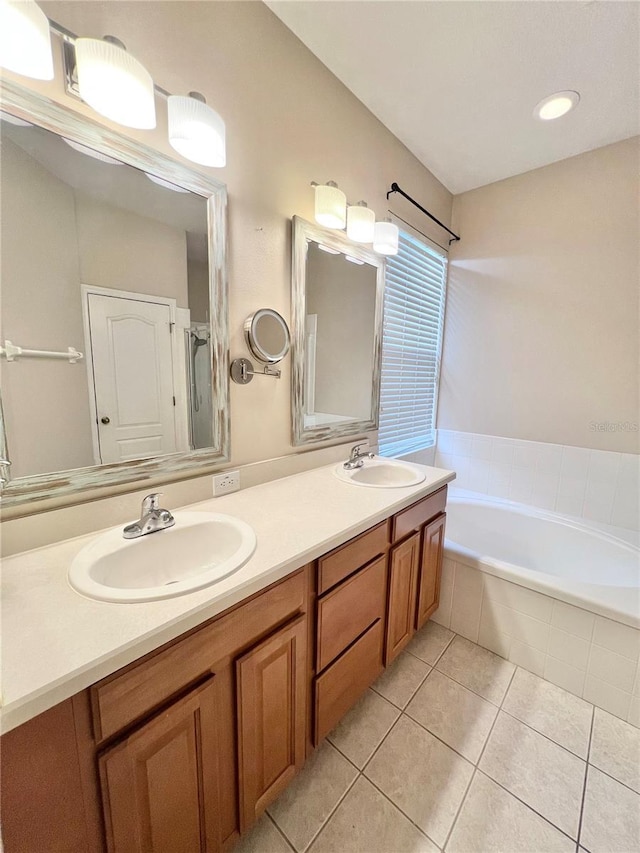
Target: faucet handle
[
  {"x": 151, "y": 503},
  {"x": 355, "y": 450}
]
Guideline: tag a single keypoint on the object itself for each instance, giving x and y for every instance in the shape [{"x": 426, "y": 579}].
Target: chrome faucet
[
  {"x": 152, "y": 518},
  {"x": 356, "y": 459}
]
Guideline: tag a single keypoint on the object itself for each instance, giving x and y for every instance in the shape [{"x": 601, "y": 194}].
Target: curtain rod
[{"x": 396, "y": 189}]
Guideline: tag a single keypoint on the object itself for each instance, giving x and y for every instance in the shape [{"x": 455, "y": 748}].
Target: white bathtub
[{"x": 552, "y": 594}]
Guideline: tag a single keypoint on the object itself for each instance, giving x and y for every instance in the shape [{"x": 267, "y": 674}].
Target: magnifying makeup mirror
[{"x": 268, "y": 339}]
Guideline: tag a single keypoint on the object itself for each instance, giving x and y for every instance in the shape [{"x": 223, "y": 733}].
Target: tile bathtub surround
[
  {"x": 534, "y": 769},
  {"x": 596, "y": 485},
  {"x": 595, "y": 658}
]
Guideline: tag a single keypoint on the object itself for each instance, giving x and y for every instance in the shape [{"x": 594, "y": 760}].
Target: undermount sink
[
  {"x": 381, "y": 474},
  {"x": 201, "y": 549}
]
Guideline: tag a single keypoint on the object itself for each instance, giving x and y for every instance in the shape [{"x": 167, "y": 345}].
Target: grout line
[
  {"x": 542, "y": 734},
  {"x": 613, "y": 778},
  {"x": 527, "y": 805},
  {"x": 493, "y": 725},
  {"x": 331, "y": 813},
  {"x": 586, "y": 774},
  {"x": 459, "y": 809},
  {"x": 278, "y": 830},
  {"x": 402, "y": 812}
]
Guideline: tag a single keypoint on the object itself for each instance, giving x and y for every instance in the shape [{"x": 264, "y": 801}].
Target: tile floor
[{"x": 456, "y": 749}]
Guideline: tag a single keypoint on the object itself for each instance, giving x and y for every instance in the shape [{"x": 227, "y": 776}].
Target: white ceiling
[{"x": 457, "y": 81}]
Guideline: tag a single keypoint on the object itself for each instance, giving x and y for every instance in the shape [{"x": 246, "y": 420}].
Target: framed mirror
[
  {"x": 114, "y": 342},
  {"x": 267, "y": 335},
  {"x": 337, "y": 305}
]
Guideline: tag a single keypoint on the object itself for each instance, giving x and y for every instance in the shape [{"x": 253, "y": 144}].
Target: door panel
[
  {"x": 430, "y": 569},
  {"x": 403, "y": 580},
  {"x": 160, "y": 786},
  {"x": 271, "y": 703},
  {"x": 131, "y": 349}
]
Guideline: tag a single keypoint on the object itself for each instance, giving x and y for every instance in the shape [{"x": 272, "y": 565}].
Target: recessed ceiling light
[{"x": 556, "y": 105}]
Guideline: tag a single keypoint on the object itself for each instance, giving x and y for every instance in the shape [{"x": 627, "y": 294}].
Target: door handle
[{"x": 105, "y": 420}]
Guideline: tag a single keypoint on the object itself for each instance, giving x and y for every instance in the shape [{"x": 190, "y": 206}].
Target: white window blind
[{"x": 411, "y": 347}]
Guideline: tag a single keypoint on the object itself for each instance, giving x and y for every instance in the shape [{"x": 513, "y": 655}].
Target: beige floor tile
[
  {"x": 430, "y": 641},
  {"x": 611, "y": 819},
  {"x": 304, "y": 806},
  {"x": 537, "y": 771},
  {"x": 422, "y": 776},
  {"x": 477, "y": 668},
  {"x": 615, "y": 748},
  {"x": 263, "y": 838},
  {"x": 492, "y": 821},
  {"x": 366, "y": 822},
  {"x": 457, "y": 716},
  {"x": 400, "y": 681},
  {"x": 548, "y": 709},
  {"x": 361, "y": 731}
]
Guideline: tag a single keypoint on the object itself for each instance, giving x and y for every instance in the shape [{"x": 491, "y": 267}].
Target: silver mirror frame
[
  {"x": 252, "y": 338},
  {"x": 40, "y": 110},
  {"x": 303, "y": 232}
]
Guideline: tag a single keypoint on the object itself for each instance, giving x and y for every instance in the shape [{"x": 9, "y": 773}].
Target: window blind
[{"x": 414, "y": 298}]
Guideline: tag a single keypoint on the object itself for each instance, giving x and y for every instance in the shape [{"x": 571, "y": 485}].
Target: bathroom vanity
[{"x": 185, "y": 746}]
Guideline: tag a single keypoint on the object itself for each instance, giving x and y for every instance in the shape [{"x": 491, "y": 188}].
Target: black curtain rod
[{"x": 396, "y": 189}]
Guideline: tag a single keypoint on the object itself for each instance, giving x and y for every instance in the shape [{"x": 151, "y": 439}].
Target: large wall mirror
[
  {"x": 114, "y": 306},
  {"x": 337, "y": 293}
]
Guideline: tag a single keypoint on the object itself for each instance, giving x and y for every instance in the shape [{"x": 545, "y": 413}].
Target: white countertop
[{"x": 55, "y": 643}]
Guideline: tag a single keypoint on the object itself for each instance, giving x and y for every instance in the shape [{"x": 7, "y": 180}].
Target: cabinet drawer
[
  {"x": 338, "y": 564},
  {"x": 415, "y": 516},
  {"x": 349, "y": 609},
  {"x": 340, "y": 686},
  {"x": 132, "y": 694}
]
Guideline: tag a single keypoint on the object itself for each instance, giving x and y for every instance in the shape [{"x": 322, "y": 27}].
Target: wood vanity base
[{"x": 185, "y": 748}]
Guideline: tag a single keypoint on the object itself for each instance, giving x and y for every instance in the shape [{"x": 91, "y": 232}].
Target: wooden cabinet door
[
  {"x": 160, "y": 785},
  {"x": 403, "y": 583},
  {"x": 271, "y": 705},
  {"x": 430, "y": 569}
]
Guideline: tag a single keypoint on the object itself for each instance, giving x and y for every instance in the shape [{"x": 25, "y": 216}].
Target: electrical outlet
[{"x": 225, "y": 483}]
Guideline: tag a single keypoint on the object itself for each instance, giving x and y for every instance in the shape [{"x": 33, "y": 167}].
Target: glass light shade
[
  {"x": 115, "y": 84},
  {"x": 196, "y": 131},
  {"x": 331, "y": 206},
  {"x": 385, "y": 238},
  {"x": 25, "y": 42},
  {"x": 360, "y": 223},
  {"x": 89, "y": 152},
  {"x": 167, "y": 185}
]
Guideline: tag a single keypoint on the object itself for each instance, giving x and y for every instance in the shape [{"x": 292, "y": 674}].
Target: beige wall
[
  {"x": 46, "y": 403},
  {"x": 542, "y": 326},
  {"x": 122, "y": 250},
  {"x": 289, "y": 121},
  {"x": 343, "y": 295},
  {"x": 54, "y": 239}
]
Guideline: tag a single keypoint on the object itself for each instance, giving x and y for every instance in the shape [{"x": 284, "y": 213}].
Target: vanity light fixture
[
  {"x": 556, "y": 105},
  {"x": 353, "y": 260},
  {"x": 89, "y": 152},
  {"x": 25, "y": 41},
  {"x": 360, "y": 223},
  {"x": 385, "y": 238},
  {"x": 330, "y": 205},
  {"x": 114, "y": 83},
  {"x": 195, "y": 130}
]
